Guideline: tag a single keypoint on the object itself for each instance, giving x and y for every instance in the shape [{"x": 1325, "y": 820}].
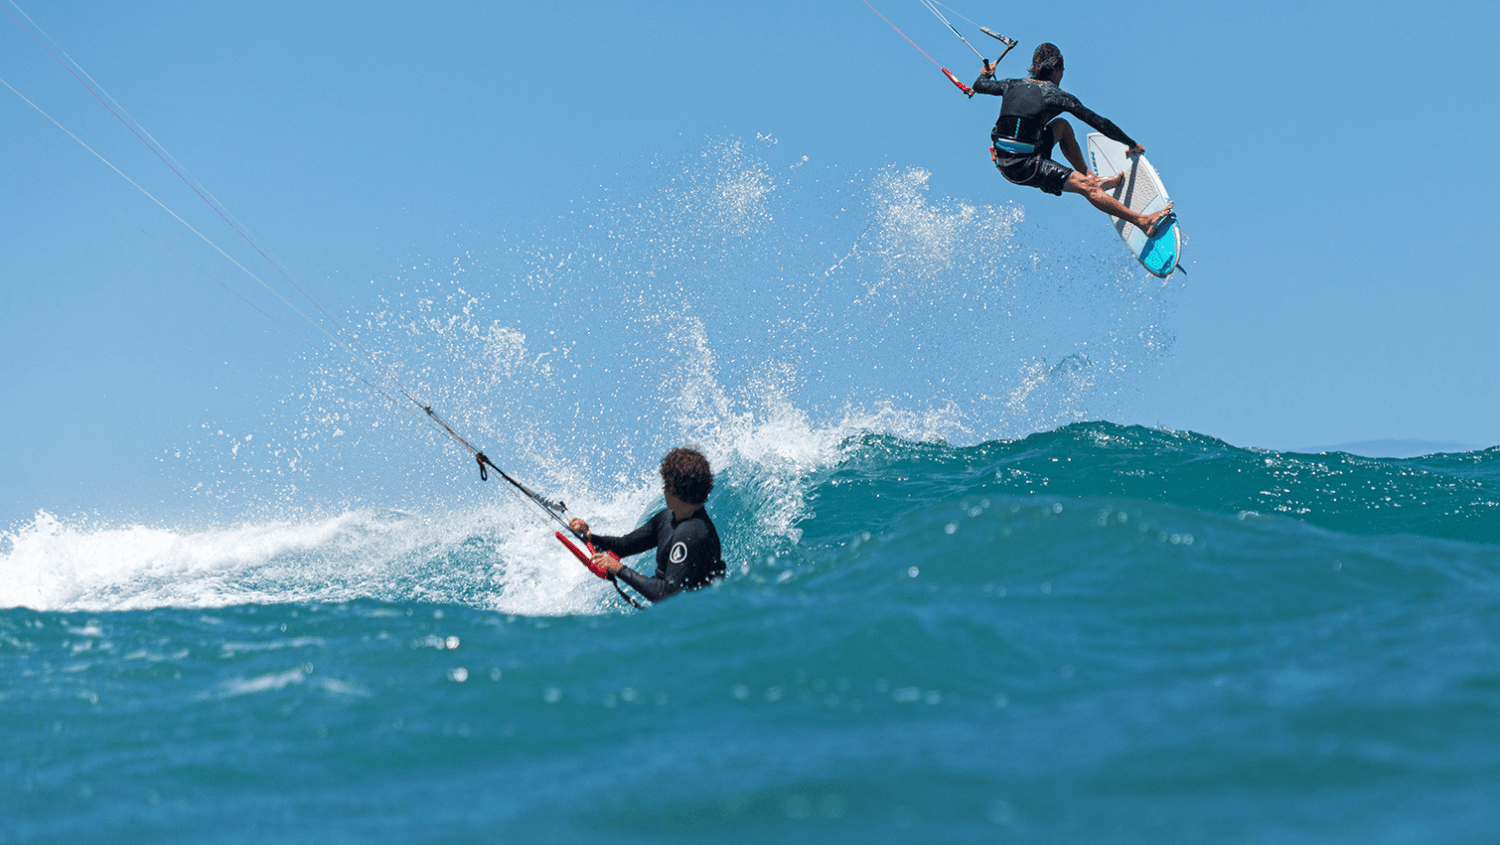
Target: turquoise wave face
[
  {"x": 1442, "y": 496},
  {"x": 1098, "y": 633}
]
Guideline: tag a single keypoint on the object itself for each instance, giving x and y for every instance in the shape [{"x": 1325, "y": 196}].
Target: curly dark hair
[
  {"x": 686, "y": 473},
  {"x": 1046, "y": 59}
]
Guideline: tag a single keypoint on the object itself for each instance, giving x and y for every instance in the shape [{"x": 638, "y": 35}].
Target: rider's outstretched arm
[
  {"x": 1098, "y": 121},
  {"x": 642, "y": 539}
]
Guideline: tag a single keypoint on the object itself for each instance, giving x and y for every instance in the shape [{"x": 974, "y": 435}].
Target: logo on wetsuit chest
[{"x": 678, "y": 553}]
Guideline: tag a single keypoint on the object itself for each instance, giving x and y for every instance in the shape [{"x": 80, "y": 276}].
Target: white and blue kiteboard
[{"x": 1141, "y": 191}]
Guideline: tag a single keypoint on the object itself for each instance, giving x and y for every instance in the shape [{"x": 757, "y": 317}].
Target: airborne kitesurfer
[
  {"x": 687, "y": 546},
  {"x": 1029, "y": 126}
]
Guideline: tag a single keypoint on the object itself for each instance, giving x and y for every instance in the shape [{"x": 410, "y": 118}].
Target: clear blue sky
[{"x": 1341, "y": 282}]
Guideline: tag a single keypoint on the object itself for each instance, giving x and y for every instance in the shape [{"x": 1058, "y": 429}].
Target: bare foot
[
  {"x": 1112, "y": 182},
  {"x": 1148, "y": 224}
]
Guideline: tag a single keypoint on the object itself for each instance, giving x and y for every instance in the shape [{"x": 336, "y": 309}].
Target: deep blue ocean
[{"x": 1093, "y": 634}]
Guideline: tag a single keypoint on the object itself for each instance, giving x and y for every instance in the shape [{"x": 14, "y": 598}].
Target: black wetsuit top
[
  {"x": 687, "y": 554},
  {"x": 1028, "y": 107}
]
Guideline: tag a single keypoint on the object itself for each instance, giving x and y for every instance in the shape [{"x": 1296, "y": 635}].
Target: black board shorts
[{"x": 1033, "y": 171}]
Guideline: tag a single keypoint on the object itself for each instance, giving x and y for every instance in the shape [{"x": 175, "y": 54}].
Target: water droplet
[
  {"x": 458, "y": 675},
  {"x": 451, "y": 643},
  {"x": 913, "y": 572},
  {"x": 950, "y": 528}
]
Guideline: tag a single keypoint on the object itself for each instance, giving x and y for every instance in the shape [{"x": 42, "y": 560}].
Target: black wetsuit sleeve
[
  {"x": 672, "y": 578},
  {"x": 654, "y": 589},
  {"x": 1098, "y": 121},
  {"x": 988, "y": 84},
  {"x": 642, "y": 539}
]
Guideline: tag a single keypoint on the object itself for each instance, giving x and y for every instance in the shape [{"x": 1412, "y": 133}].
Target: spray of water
[{"x": 765, "y": 311}]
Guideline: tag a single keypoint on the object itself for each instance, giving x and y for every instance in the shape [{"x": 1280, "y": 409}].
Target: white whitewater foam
[{"x": 498, "y": 559}]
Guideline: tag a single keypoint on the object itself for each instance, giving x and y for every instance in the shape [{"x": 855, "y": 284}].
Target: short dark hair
[
  {"x": 686, "y": 473},
  {"x": 1046, "y": 59}
]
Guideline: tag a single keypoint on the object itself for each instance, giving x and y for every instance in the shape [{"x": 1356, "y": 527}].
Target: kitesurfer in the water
[
  {"x": 1029, "y": 126},
  {"x": 687, "y": 546}
]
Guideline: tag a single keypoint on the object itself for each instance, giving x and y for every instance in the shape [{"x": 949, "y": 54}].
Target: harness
[{"x": 1017, "y": 135}]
